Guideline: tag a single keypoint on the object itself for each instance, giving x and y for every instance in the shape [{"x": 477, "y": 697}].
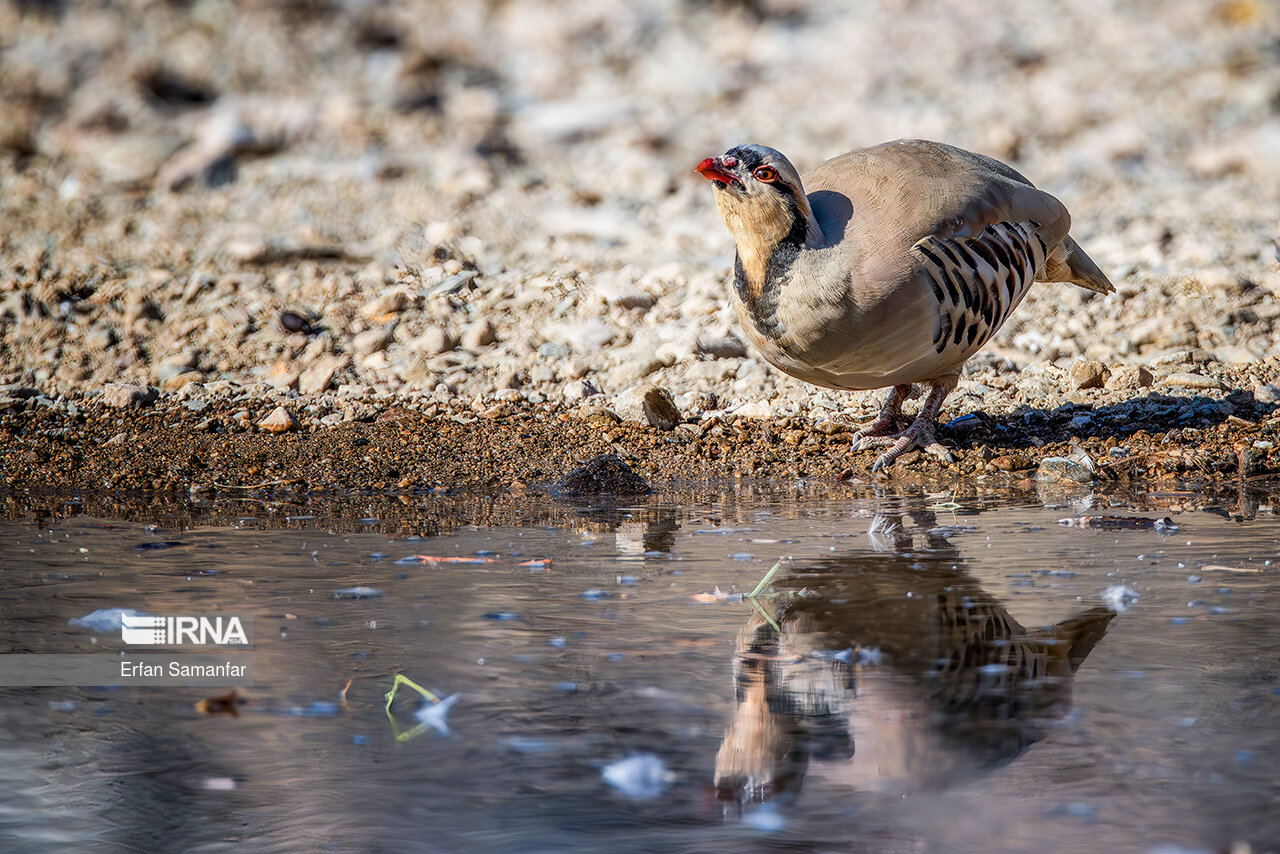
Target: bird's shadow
[{"x": 1155, "y": 412}]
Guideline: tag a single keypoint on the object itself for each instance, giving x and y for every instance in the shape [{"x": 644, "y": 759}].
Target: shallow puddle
[{"x": 921, "y": 674}]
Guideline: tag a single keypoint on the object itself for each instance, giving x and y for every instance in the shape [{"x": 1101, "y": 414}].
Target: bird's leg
[
  {"x": 890, "y": 421},
  {"x": 922, "y": 432}
]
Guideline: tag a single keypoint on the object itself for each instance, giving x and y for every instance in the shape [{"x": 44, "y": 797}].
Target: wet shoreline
[{"x": 221, "y": 447}]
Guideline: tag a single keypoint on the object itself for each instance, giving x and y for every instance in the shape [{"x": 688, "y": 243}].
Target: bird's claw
[{"x": 919, "y": 435}]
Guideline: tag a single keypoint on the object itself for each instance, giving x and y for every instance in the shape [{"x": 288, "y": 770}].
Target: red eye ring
[{"x": 766, "y": 173}]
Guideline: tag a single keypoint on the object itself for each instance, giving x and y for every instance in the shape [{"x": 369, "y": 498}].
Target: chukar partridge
[{"x": 887, "y": 266}]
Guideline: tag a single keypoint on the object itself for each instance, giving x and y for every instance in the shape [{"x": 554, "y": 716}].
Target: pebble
[
  {"x": 319, "y": 376},
  {"x": 478, "y": 335},
  {"x": 1129, "y": 377},
  {"x": 279, "y": 421},
  {"x": 180, "y": 380},
  {"x": 433, "y": 341},
  {"x": 1195, "y": 381},
  {"x": 1088, "y": 374},
  {"x": 388, "y": 304},
  {"x": 128, "y": 396},
  {"x": 578, "y": 390},
  {"x": 1266, "y": 393},
  {"x": 372, "y": 341},
  {"x": 727, "y": 347}
]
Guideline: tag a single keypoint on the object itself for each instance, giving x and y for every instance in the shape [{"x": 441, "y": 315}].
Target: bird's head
[{"x": 760, "y": 197}]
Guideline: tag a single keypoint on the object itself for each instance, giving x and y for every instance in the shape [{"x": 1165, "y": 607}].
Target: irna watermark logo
[{"x": 185, "y": 630}]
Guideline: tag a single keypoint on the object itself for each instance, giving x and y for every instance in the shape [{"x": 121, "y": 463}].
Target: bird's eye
[{"x": 766, "y": 173}]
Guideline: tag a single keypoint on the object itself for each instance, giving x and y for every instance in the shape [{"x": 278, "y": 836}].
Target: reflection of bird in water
[{"x": 899, "y": 672}]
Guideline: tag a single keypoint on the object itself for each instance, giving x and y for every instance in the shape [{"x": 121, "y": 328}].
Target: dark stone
[{"x": 605, "y": 475}]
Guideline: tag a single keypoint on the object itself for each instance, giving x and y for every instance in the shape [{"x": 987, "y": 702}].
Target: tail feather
[{"x": 1070, "y": 263}]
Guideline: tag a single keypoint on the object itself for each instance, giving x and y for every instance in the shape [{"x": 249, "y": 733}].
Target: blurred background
[{"x": 497, "y": 198}]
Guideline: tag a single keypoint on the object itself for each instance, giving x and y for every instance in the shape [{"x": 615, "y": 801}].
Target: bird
[{"x": 887, "y": 266}]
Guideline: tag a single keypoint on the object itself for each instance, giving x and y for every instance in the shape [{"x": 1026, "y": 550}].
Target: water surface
[{"x": 922, "y": 674}]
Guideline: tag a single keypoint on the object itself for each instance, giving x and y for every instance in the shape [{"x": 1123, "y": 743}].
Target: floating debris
[
  {"x": 594, "y": 593},
  {"x": 537, "y": 563},
  {"x": 1121, "y": 523},
  {"x": 641, "y": 776},
  {"x": 1214, "y": 567},
  {"x": 357, "y": 593},
  {"x": 1120, "y": 597},
  {"x": 404, "y": 561},
  {"x": 159, "y": 544},
  {"x": 223, "y": 704},
  {"x": 435, "y": 715},
  {"x": 218, "y": 784},
  {"x": 716, "y": 595},
  {"x": 317, "y": 709},
  {"x": 105, "y": 619},
  {"x": 432, "y": 716}
]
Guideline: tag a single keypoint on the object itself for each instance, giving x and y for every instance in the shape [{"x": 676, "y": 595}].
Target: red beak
[{"x": 712, "y": 170}]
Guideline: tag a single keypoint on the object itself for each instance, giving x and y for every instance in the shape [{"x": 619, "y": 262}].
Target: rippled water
[{"x": 893, "y": 687}]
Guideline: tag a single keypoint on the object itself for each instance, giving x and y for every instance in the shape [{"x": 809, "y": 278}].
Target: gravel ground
[{"x": 478, "y": 222}]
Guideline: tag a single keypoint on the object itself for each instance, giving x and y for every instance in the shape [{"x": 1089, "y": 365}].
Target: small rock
[
  {"x": 1193, "y": 381},
  {"x": 279, "y": 421},
  {"x": 434, "y": 341},
  {"x": 1130, "y": 377},
  {"x": 284, "y": 380},
  {"x": 1266, "y": 393},
  {"x": 128, "y": 396},
  {"x": 754, "y": 409},
  {"x": 479, "y": 334},
  {"x": 590, "y": 336},
  {"x": 1013, "y": 462},
  {"x": 624, "y": 294},
  {"x": 372, "y": 341},
  {"x": 178, "y": 381},
  {"x": 578, "y": 390},
  {"x": 317, "y": 378},
  {"x": 1088, "y": 374},
  {"x": 728, "y": 347},
  {"x": 650, "y": 403},
  {"x": 451, "y": 284},
  {"x": 599, "y": 413},
  {"x": 390, "y": 303},
  {"x": 633, "y": 371},
  {"x": 604, "y": 475}
]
